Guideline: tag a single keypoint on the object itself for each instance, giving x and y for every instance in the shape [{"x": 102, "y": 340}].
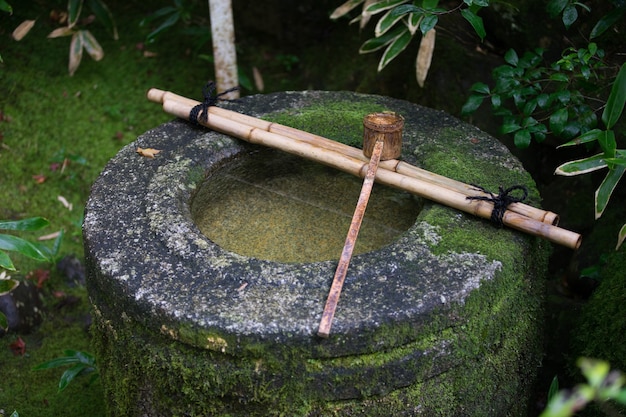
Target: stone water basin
[{"x": 443, "y": 317}]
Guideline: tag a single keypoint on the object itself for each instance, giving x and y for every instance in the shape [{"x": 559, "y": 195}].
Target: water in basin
[{"x": 279, "y": 207}]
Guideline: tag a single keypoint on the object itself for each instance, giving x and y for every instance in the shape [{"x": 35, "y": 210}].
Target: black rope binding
[
  {"x": 200, "y": 112},
  {"x": 501, "y": 201}
]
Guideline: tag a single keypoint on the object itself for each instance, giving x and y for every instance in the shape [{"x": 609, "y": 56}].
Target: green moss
[
  {"x": 464, "y": 162},
  {"x": 341, "y": 121},
  {"x": 602, "y": 323}
]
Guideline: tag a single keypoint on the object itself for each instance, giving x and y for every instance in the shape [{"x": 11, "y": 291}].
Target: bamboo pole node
[{"x": 382, "y": 140}]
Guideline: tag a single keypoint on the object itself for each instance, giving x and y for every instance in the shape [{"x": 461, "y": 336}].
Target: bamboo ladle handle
[
  {"x": 348, "y": 247},
  {"x": 379, "y": 128}
]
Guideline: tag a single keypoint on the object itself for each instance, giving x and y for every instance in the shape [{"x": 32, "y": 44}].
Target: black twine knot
[
  {"x": 500, "y": 201},
  {"x": 200, "y": 112}
]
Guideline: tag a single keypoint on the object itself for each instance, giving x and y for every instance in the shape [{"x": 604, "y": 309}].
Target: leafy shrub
[
  {"x": 82, "y": 39},
  {"x": 401, "y": 21},
  {"x": 563, "y": 99},
  {"x": 34, "y": 250}
]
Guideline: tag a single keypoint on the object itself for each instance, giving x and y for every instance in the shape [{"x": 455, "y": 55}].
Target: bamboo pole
[
  {"x": 224, "y": 53},
  {"x": 354, "y": 165},
  {"x": 160, "y": 96}
]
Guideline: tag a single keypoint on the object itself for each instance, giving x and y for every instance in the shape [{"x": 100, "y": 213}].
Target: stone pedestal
[{"x": 443, "y": 321}]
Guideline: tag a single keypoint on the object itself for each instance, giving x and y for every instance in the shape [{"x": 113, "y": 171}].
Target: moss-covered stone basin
[{"x": 443, "y": 320}]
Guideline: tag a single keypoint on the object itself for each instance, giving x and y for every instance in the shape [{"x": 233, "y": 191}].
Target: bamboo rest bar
[
  {"x": 160, "y": 96},
  {"x": 351, "y": 160}
]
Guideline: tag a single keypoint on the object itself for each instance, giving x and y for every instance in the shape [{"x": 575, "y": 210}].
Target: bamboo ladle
[{"x": 382, "y": 140}]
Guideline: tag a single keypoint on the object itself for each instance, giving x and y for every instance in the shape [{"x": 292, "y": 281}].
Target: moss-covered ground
[{"x": 48, "y": 117}]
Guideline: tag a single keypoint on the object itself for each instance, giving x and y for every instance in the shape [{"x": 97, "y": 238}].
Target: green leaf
[
  {"x": 5, "y": 261},
  {"x": 509, "y": 126},
  {"x": 496, "y": 101},
  {"x": 480, "y": 88},
  {"x": 56, "y": 246},
  {"x": 381, "y": 6},
  {"x": 91, "y": 45},
  {"x": 476, "y": 22},
  {"x": 69, "y": 375},
  {"x": 558, "y": 120},
  {"x": 586, "y": 137},
  {"x": 571, "y": 130},
  {"x": 595, "y": 371},
  {"x": 30, "y": 224},
  {"x": 428, "y": 22},
  {"x": 615, "y": 161},
  {"x": 70, "y": 357},
  {"x": 413, "y": 22},
  {"x": 617, "y": 98},
  {"x": 607, "y": 142},
  {"x": 511, "y": 57},
  {"x": 555, "y": 7},
  {"x": 8, "y": 285},
  {"x": 621, "y": 236},
  {"x": 582, "y": 166},
  {"x": 4, "y": 323},
  {"x": 394, "y": 49},
  {"x": 345, "y": 8},
  {"x": 543, "y": 100},
  {"x": 405, "y": 9},
  {"x": 74, "y": 7},
  {"x": 563, "y": 96},
  {"x": 375, "y": 44},
  {"x": 522, "y": 139},
  {"x": 607, "y": 21},
  {"x": 570, "y": 14},
  {"x": 539, "y": 136},
  {"x": 5, "y": 7},
  {"x": 385, "y": 23},
  {"x": 16, "y": 244},
  {"x": 559, "y": 76},
  {"x": 473, "y": 102},
  {"x": 554, "y": 388},
  {"x": 76, "y": 53},
  {"x": 104, "y": 16},
  {"x": 168, "y": 23},
  {"x": 529, "y": 107},
  {"x": 163, "y": 12},
  {"x": 604, "y": 191},
  {"x": 57, "y": 362}
]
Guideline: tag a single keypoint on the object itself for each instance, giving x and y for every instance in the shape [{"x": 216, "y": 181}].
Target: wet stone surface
[{"x": 406, "y": 312}]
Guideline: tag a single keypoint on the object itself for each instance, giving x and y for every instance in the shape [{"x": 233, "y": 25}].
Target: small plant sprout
[
  {"x": 602, "y": 385},
  {"x": 81, "y": 363}
]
